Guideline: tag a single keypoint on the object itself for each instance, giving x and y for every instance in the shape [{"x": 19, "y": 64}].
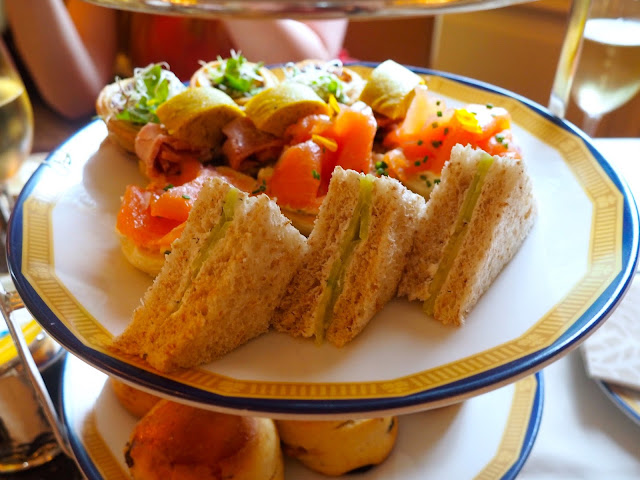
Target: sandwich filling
[
  {"x": 218, "y": 231},
  {"x": 356, "y": 232},
  {"x": 460, "y": 230}
]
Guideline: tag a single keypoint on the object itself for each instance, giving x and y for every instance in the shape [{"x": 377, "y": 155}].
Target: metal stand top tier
[{"x": 305, "y": 8}]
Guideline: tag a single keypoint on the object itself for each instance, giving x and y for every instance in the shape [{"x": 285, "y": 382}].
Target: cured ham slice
[
  {"x": 162, "y": 155},
  {"x": 246, "y": 146}
]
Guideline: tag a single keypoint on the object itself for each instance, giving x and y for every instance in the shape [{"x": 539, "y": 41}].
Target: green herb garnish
[
  {"x": 261, "y": 188},
  {"x": 151, "y": 87},
  {"x": 382, "y": 168},
  {"x": 323, "y": 79},
  {"x": 236, "y": 76}
]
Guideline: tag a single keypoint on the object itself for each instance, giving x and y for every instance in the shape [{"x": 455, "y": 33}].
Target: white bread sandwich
[
  {"x": 221, "y": 283},
  {"x": 476, "y": 220},
  {"x": 357, "y": 251}
]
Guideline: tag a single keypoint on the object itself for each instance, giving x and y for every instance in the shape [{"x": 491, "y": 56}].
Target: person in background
[{"x": 72, "y": 48}]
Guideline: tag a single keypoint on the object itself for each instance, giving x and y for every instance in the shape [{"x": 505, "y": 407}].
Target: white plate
[
  {"x": 563, "y": 283},
  {"x": 488, "y": 436},
  {"x": 626, "y": 399}
]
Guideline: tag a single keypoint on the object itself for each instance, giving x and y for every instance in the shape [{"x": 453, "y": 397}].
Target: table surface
[{"x": 583, "y": 435}]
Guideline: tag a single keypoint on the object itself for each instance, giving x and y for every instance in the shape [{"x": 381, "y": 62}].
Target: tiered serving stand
[{"x": 567, "y": 278}]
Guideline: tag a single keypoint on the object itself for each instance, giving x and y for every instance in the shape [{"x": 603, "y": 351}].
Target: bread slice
[
  {"x": 212, "y": 296},
  {"x": 372, "y": 270},
  {"x": 450, "y": 279}
]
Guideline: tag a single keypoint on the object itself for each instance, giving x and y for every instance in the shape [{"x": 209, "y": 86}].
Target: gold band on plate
[{"x": 605, "y": 263}]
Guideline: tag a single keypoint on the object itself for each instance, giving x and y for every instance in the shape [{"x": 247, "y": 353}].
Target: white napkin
[{"x": 612, "y": 353}]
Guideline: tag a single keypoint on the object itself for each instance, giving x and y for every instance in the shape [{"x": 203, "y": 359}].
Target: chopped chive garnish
[
  {"x": 382, "y": 168},
  {"x": 260, "y": 189}
]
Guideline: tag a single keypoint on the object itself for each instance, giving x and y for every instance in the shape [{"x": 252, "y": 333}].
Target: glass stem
[
  {"x": 590, "y": 124},
  {"x": 569, "y": 56}
]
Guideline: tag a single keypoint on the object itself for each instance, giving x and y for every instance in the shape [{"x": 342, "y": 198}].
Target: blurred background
[{"x": 515, "y": 47}]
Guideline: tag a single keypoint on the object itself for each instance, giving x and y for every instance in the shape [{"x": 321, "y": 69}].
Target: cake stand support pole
[{"x": 9, "y": 303}]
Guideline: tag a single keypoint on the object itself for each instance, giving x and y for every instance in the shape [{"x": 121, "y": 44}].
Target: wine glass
[
  {"x": 608, "y": 66},
  {"x": 16, "y": 120}
]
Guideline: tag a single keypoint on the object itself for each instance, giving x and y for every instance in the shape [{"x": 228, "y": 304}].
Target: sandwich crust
[
  {"x": 502, "y": 218},
  {"x": 373, "y": 270},
  {"x": 188, "y": 318}
]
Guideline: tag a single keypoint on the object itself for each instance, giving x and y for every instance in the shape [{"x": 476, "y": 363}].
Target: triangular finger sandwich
[
  {"x": 476, "y": 220},
  {"x": 357, "y": 251},
  {"x": 220, "y": 284}
]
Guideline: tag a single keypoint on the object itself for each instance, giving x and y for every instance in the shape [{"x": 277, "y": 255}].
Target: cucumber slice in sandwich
[
  {"x": 221, "y": 283},
  {"x": 476, "y": 220},
  {"x": 357, "y": 232},
  {"x": 357, "y": 251}
]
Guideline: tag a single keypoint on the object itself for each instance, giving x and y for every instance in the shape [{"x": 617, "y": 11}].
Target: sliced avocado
[
  {"x": 461, "y": 227},
  {"x": 357, "y": 231},
  {"x": 218, "y": 231}
]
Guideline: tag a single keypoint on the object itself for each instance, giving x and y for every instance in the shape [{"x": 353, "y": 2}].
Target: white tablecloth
[{"x": 583, "y": 435}]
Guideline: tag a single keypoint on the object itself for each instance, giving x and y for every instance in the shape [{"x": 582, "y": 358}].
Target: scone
[
  {"x": 136, "y": 402},
  {"x": 176, "y": 441},
  {"x": 338, "y": 447}
]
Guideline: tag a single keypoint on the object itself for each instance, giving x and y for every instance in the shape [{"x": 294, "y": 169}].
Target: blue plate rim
[
  {"x": 607, "y": 388},
  {"x": 586, "y": 324},
  {"x": 91, "y": 471}
]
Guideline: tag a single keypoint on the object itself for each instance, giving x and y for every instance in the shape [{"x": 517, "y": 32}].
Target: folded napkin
[{"x": 612, "y": 353}]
